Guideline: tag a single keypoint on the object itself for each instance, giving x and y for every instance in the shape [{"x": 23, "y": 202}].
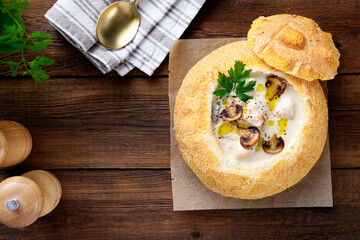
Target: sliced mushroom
[
  {"x": 274, "y": 145},
  {"x": 250, "y": 137},
  {"x": 232, "y": 113},
  {"x": 275, "y": 86}
]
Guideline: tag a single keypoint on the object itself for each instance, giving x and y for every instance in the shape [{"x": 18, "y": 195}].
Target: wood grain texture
[
  {"x": 128, "y": 204},
  {"x": 107, "y": 123},
  {"x": 344, "y": 92},
  {"x": 81, "y": 119},
  {"x": 216, "y": 19},
  {"x": 98, "y": 123}
]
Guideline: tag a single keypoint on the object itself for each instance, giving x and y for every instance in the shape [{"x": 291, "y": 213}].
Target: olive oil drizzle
[
  {"x": 259, "y": 144},
  {"x": 226, "y": 128},
  {"x": 272, "y": 103},
  {"x": 282, "y": 123},
  {"x": 260, "y": 88}
]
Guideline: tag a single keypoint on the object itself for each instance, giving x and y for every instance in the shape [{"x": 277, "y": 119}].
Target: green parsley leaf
[
  {"x": 41, "y": 45},
  {"x": 243, "y": 97},
  {"x": 241, "y": 84},
  {"x": 245, "y": 75},
  {"x": 248, "y": 88},
  {"x": 40, "y": 36},
  {"x": 13, "y": 66},
  {"x": 39, "y": 75},
  {"x": 9, "y": 44},
  {"x": 15, "y": 39},
  {"x": 20, "y": 4},
  {"x": 236, "y": 72},
  {"x": 224, "y": 82},
  {"x": 45, "y": 61},
  {"x": 237, "y": 81},
  {"x": 222, "y": 93},
  {"x": 241, "y": 90},
  {"x": 14, "y": 8},
  {"x": 13, "y": 30}
]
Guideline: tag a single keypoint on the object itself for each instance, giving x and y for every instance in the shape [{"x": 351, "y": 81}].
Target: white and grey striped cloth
[{"x": 162, "y": 22}]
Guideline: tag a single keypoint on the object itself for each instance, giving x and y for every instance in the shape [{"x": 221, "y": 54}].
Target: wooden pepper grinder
[
  {"x": 23, "y": 199},
  {"x": 15, "y": 143}
]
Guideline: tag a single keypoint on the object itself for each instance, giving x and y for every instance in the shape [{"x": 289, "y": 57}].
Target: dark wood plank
[
  {"x": 112, "y": 123},
  {"x": 344, "y": 92},
  {"x": 138, "y": 204},
  {"x": 216, "y": 19},
  {"x": 344, "y": 131},
  {"x": 92, "y": 122}
]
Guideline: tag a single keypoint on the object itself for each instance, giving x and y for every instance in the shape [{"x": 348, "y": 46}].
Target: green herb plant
[
  {"x": 14, "y": 39},
  {"x": 235, "y": 81}
]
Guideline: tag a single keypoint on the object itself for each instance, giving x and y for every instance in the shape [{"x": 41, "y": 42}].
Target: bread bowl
[{"x": 194, "y": 130}]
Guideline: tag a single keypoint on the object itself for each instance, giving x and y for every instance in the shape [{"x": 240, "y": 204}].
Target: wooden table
[{"x": 107, "y": 138}]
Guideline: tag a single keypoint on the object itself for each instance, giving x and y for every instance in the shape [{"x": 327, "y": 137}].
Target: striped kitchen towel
[{"x": 162, "y": 22}]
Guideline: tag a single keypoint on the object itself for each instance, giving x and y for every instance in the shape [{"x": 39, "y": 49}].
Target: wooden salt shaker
[
  {"x": 15, "y": 143},
  {"x": 23, "y": 199}
]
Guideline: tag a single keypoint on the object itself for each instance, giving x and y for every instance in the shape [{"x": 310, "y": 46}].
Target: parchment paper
[{"x": 189, "y": 193}]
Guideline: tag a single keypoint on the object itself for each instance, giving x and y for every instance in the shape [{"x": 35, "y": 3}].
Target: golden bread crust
[
  {"x": 193, "y": 129},
  {"x": 295, "y": 45}
]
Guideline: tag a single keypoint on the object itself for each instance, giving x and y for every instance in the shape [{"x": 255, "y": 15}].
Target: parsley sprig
[
  {"x": 15, "y": 39},
  {"x": 236, "y": 81}
]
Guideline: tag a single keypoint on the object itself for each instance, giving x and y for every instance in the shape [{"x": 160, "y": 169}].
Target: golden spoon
[{"x": 118, "y": 24}]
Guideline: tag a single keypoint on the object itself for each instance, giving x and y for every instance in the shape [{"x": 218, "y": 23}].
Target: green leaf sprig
[
  {"x": 15, "y": 39},
  {"x": 235, "y": 81}
]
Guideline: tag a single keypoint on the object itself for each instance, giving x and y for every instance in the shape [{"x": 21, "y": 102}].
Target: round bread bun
[
  {"x": 201, "y": 151},
  {"x": 295, "y": 45}
]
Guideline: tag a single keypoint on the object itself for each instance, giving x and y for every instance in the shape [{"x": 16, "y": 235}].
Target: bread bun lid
[
  {"x": 200, "y": 149},
  {"x": 295, "y": 45}
]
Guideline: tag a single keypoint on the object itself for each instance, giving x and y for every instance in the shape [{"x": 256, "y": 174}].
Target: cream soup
[{"x": 283, "y": 117}]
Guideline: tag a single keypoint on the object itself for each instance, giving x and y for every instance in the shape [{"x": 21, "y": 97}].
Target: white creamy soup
[{"x": 282, "y": 116}]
